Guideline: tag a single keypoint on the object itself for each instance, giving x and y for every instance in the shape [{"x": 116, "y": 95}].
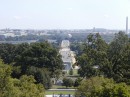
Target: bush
[
  {"x": 68, "y": 82},
  {"x": 71, "y": 72},
  {"x": 77, "y": 82}
]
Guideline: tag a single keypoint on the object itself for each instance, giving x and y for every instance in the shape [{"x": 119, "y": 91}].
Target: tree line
[
  {"x": 110, "y": 62},
  {"x": 40, "y": 60}
]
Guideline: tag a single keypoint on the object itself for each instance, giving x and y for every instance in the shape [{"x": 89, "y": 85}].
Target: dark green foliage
[
  {"x": 94, "y": 55},
  {"x": 7, "y": 53},
  {"x": 77, "y": 82},
  {"x": 41, "y": 55},
  {"x": 41, "y": 60},
  {"x": 77, "y": 47},
  {"x": 68, "y": 82},
  {"x": 112, "y": 60},
  {"x": 118, "y": 55},
  {"x": 16, "y": 72},
  {"x": 41, "y": 75},
  {"x": 71, "y": 72}
]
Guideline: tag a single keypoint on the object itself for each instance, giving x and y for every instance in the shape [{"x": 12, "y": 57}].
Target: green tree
[
  {"x": 23, "y": 87},
  {"x": 102, "y": 87},
  {"x": 118, "y": 55},
  {"x": 7, "y": 53},
  {"x": 68, "y": 82},
  {"x": 41, "y": 75},
  {"x": 77, "y": 82},
  {"x": 24, "y": 57},
  {"x": 77, "y": 47},
  {"x": 94, "y": 57},
  {"x": 28, "y": 88},
  {"x": 41, "y": 55},
  {"x": 10, "y": 52}
]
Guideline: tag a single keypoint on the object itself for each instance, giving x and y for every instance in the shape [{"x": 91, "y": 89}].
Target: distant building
[
  {"x": 23, "y": 34},
  {"x": 9, "y": 35},
  {"x": 65, "y": 44}
]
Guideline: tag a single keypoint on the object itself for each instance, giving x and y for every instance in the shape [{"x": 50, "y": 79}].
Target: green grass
[
  {"x": 57, "y": 87},
  {"x": 61, "y": 87},
  {"x": 75, "y": 73},
  {"x": 59, "y": 92}
]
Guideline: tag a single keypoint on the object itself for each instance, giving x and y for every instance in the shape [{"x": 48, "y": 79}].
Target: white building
[
  {"x": 65, "y": 44},
  {"x": 9, "y": 35}
]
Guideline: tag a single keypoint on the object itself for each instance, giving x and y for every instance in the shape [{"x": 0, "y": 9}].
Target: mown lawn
[
  {"x": 48, "y": 92},
  {"x": 61, "y": 87},
  {"x": 75, "y": 72}
]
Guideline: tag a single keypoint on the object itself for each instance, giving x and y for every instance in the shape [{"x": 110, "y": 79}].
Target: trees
[
  {"x": 94, "y": 55},
  {"x": 23, "y": 87},
  {"x": 42, "y": 59},
  {"x": 118, "y": 55},
  {"x": 7, "y": 53},
  {"x": 77, "y": 82},
  {"x": 10, "y": 52},
  {"x": 111, "y": 60},
  {"x": 68, "y": 82},
  {"x": 35, "y": 54},
  {"x": 102, "y": 87},
  {"x": 41, "y": 55},
  {"x": 28, "y": 88},
  {"x": 77, "y": 47},
  {"x": 41, "y": 75}
]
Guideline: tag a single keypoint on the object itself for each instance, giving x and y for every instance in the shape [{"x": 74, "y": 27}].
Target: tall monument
[{"x": 126, "y": 25}]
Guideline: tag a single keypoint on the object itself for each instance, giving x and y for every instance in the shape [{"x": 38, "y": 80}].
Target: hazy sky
[{"x": 64, "y": 14}]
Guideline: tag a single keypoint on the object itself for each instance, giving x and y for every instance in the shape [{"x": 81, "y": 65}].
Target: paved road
[{"x": 62, "y": 89}]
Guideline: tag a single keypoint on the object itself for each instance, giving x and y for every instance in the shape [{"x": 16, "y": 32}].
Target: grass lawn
[
  {"x": 75, "y": 73},
  {"x": 61, "y": 87},
  {"x": 58, "y": 87},
  {"x": 59, "y": 92}
]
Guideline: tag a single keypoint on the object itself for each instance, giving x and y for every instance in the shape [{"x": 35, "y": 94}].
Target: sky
[{"x": 64, "y": 14}]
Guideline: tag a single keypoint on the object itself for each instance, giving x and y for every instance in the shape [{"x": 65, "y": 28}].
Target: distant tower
[{"x": 126, "y": 25}]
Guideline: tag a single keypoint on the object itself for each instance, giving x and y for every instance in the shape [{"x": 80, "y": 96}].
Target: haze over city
[{"x": 63, "y": 14}]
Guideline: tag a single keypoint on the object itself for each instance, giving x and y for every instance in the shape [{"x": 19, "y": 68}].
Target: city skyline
[{"x": 64, "y": 14}]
